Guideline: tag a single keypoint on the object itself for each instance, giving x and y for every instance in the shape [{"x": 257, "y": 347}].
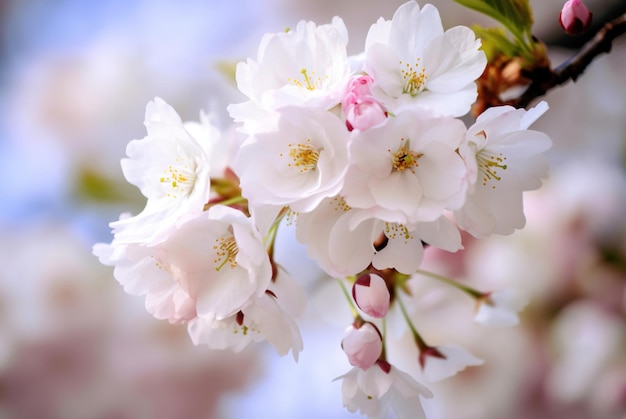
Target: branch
[{"x": 575, "y": 65}]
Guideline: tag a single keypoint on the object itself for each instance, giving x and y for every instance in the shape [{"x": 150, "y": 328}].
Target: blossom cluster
[{"x": 366, "y": 156}]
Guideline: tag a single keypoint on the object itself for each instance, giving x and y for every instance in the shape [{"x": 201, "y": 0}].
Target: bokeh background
[{"x": 75, "y": 77}]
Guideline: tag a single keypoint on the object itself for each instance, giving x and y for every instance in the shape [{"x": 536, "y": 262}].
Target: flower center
[
  {"x": 414, "y": 77},
  {"x": 490, "y": 166},
  {"x": 404, "y": 157},
  {"x": 303, "y": 155},
  {"x": 226, "y": 250},
  {"x": 393, "y": 230},
  {"x": 309, "y": 82},
  {"x": 179, "y": 178}
]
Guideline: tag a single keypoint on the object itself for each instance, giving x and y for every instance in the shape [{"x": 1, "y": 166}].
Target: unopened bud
[
  {"x": 363, "y": 346},
  {"x": 360, "y": 108},
  {"x": 575, "y": 18},
  {"x": 371, "y": 295}
]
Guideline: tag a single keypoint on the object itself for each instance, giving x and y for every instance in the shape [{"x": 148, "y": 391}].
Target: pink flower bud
[
  {"x": 363, "y": 346},
  {"x": 362, "y": 111},
  {"x": 371, "y": 295},
  {"x": 575, "y": 18}
]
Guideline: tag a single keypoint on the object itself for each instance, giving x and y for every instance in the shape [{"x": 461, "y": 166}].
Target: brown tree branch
[{"x": 575, "y": 65}]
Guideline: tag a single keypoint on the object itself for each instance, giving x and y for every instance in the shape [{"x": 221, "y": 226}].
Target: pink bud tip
[
  {"x": 575, "y": 18},
  {"x": 362, "y": 345},
  {"x": 371, "y": 295}
]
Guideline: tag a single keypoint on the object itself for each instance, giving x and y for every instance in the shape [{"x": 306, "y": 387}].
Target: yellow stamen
[
  {"x": 405, "y": 158},
  {"x": 414, "y": 78},
  {"x": 225, "y": 252},
  {"x": 304, "y": 156},
  {"x": 489, "y": 167}
]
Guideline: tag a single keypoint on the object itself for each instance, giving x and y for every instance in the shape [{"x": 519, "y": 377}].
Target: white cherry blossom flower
[
  {"x": 344, "y": 240},
  {"x": 404, "y": 249},
  {"x": 172, "y": 170},
  {"x": 407, "y": 170},
  {"x": 305, "y": 66},
  {"x": 299, "y": 164},
  {"x": 380, "y": 388},
  {"x": 504, "y": 159},
  {"x": 413, "y": 61},
  {"x": 340, "y": 249},
  {"x": 500, "y": 308},
  {"x": 444, "y": 361},
  {"x": 212, "y": 265},
  {"x": 139, "y": 269},
  {"x": 262, "y": 319}
]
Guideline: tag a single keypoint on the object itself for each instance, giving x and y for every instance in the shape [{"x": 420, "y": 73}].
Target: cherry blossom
[
  {"x": 171, "y": 168},
  {"x": 445, "y": 361},
  {"x": 382, "y": 387},
  {"x": 299, "y": 164},
  {"x": 262, "y": 319},
  {"x": 504, "y": 159},
  {"x": 413, "y": 61},
  {"x": 500, "y": 308},
  {"x": 304, "y": 66},
  {"x": 407, "y": 169},
  {"x": 181, "y": 278}
]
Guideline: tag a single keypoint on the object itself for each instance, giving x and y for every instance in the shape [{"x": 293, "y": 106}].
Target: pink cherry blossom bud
[
  {"x": 371, "y": 295},
  {"x": 360, "y": 108},
  {"x": 360, "y": 85},
  {"x": 575, "y": 18},
  {"x": 362, "y": 345}
]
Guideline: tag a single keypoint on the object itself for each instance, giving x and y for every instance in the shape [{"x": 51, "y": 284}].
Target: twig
[{"x": 575, "y": 65}]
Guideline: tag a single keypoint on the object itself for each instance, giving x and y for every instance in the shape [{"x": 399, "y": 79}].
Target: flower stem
[
  {"x": 421, "y": 344},
  {"x": 472, "y": 292},
  {"x": 270, "y": 238},
  {"x": 226, "y": 202},
  {"x": 355, "y": 312}
]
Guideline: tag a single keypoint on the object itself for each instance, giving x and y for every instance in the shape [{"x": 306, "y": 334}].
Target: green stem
[
  {"x": 474, "y": 293},
  {"x": 226, "y": 202},
  {"x": 383, "y": 354},
  {"x": 421, "y": 344},
  {"x": 270, "y": 237},
  {"x": 355, "y": 312}
]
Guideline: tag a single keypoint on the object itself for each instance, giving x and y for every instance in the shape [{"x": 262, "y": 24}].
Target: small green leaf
[
  {"x": 495, "y": 41},
  {"x": 515, "y": 15},
  {"x": 92, "y": 186}
]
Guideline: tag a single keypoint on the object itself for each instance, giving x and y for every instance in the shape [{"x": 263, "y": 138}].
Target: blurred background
[{"x": 75, "y": 77}]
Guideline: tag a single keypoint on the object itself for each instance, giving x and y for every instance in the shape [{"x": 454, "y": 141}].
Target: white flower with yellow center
[
  {"x": 265, "y": 318},
  {"x": 305, "y": 66},
  {"x": 212, "y": 265},
  {"x": 407, "y": 170},
  {"x": 504, "y": 159},
  {"x": 344, "y": 241},
  {"x": 413, "y": 61},
  {"x": 172, "y": 170},
  {"x": 299, "y": 164}
]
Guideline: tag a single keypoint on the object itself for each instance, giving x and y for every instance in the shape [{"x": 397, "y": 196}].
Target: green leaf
[
  {"x": 92, "y": 186},
  {"x": 495, "y": 41},
  {"x": 515, "y": 15}
]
